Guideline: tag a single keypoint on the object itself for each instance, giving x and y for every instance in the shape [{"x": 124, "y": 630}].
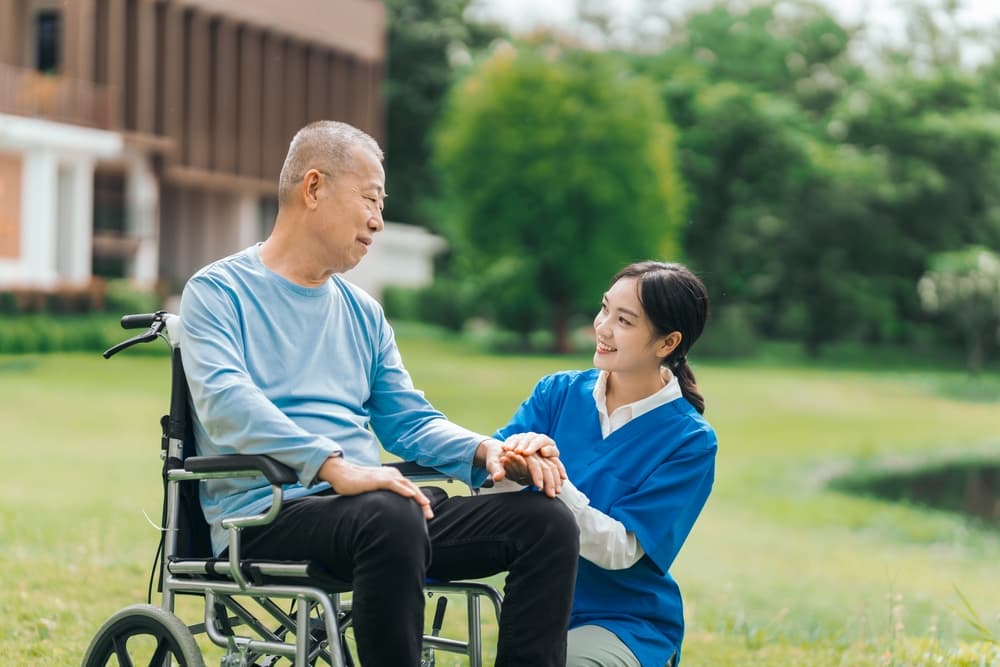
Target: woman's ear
[{"x": 668, "y": 344}]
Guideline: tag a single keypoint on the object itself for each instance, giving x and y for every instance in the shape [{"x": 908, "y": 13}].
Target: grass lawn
[{"x": 779, "y": 570}]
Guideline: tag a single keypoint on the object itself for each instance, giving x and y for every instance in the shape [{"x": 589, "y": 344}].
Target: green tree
[
  {"x": 564, "y": 161},
  {"x": 819, "y": 188},
  {"x": 424, "y": 36},
  {"x": 964, "y": 287}
]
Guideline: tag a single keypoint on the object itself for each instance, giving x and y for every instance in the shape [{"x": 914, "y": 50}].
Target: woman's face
[{"x": 626, "y": 339}]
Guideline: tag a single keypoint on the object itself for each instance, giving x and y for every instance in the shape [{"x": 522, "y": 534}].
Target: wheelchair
[{"x": 260, "y": 613}]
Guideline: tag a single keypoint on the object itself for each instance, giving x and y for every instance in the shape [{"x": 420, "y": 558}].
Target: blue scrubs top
[{"x": 654, "y": 475}]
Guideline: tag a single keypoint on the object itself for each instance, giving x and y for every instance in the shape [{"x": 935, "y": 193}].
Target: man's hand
[
  {"x": 488, "y": 456},
  {"x": 349, "y": 479},
  {"x": 527, "y": 458}
]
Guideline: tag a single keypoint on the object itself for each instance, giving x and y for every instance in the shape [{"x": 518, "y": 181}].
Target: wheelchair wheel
[{"x": 143, "y": 635}]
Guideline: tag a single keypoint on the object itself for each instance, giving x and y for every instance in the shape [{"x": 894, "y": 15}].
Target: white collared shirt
[{"x": 671, "y": 391}]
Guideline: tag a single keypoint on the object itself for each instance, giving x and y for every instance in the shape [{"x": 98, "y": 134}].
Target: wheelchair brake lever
[{"x": 149, "y": 335}]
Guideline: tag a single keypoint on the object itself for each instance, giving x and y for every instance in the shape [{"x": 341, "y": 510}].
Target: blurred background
[{"x": 830, "y": 169}]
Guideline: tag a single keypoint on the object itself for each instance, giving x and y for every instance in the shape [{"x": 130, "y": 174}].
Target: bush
[
  {"x": 448, "y": 302},
  {"x": 401, "y": 303},
  {"x": 729, "y": 334},
  {"x": 34, "y": 333},
  {"x": 122, "y": 297},
  {"x": 61, "y": 300}
]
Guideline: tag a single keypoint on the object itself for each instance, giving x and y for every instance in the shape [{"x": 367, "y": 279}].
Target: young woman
[{"x": 639, "y": 459}]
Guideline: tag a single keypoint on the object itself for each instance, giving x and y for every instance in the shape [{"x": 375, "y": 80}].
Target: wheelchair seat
[{"x": 313, "y": 627}]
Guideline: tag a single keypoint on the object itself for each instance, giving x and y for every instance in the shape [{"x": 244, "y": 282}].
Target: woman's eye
[{"x": 624, "y": 321}]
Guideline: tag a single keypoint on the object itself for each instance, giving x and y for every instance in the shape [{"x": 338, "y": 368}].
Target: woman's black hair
[{"x": 674, "y": 299}]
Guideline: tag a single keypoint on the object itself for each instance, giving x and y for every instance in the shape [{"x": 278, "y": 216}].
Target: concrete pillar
[
  {"x": 318, "y": 76},
  {"x": 74, "y": 221},
  {"x": 273, "y": 113},
  {"x": 199, "y": 93},
  {"x": 247, "y": 221},
  {"x": 226, "y": 97},
  {"x": 39, "y": 204},
  {"x": 12, "y": 31},
  {"x": 116, "y": 62},
  {"x": 294, "y": 98},
  {"x": 172, "y": 102},
  {"x": 142, "y": 202},
  {"x": 78, "y": 40},
  {"x": 143, "y": 91},
  {"x": 251, "y": 72}
]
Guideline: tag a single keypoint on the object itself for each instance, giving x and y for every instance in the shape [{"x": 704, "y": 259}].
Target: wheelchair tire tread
[{"x": 144, "y": 620}]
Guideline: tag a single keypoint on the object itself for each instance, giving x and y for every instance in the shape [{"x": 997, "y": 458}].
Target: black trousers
[{"x": 381, "y": 543}]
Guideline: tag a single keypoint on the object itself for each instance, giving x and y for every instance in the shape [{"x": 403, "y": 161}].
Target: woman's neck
[{"x": 624, "y": 388}]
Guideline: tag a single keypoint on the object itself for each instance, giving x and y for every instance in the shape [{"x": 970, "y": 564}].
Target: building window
[{"x": 47, "y": 24}]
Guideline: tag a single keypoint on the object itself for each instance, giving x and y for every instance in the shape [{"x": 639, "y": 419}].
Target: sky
[{"x": 883, "y": 18}]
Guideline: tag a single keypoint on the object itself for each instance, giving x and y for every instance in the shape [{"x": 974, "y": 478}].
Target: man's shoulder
[
  {"x": 355, "y": 294},
  {"x": 237, "y": 262}
]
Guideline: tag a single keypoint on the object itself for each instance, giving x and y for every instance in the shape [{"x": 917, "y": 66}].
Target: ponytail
[{"x": 685, "y": 377}]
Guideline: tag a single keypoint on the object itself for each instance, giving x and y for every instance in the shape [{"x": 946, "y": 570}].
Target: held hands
[
  {"x": 525, "y": 458},
  {"x": 349, "y": 479}
]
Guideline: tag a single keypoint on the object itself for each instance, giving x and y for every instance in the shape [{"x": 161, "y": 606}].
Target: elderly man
[{"x": 286, "y": 358}]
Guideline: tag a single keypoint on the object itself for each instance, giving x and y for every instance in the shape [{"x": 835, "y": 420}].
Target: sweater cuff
[{"x": 574, "y": 498}]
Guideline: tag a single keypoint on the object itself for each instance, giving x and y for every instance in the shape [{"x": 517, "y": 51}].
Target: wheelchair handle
[
  {"x": 141, "y": 320},
  {"x": 155, "y": 322}
]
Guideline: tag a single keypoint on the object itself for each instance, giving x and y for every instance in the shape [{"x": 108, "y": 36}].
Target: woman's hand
[{"x": 533, "y": 458}]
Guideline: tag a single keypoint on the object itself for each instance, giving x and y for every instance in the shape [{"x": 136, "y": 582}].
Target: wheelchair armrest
[
  {"x": 416, "y": 471},
  {"x": 275, "y": 471}
]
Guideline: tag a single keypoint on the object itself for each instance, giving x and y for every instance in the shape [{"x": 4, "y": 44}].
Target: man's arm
[
  {"x": 349, "y": 479},
  {"x": 235, "y": 413}
]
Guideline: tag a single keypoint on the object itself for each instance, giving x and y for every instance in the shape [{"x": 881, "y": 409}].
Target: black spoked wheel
[{"x": 143, "y": 635}]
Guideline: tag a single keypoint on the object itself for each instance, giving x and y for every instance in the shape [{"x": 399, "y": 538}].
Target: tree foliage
[
  {"x": 818, "y": 170},
  {"x": 424, "y": 36},
  {"x": 820, "y": 186},
  {"x": 559, "y": 169},
  {"x": 964, "y": 287}
]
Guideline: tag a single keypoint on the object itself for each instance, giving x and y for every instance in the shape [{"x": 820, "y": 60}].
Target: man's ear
[
  {"x": 309, "y": 188},
  {"x": 668, "y": 344}
]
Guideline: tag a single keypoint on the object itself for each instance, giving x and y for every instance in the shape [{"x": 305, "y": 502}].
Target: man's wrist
[
  {"x": 333, "y": 459},
  {"x": 486, "y": 448}
]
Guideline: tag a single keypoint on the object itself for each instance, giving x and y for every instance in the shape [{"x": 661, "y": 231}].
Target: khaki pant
[{"x": 593, "y": 646}]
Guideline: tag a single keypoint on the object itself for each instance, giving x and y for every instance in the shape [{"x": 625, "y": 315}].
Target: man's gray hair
[{"x": 326, "y": 145}]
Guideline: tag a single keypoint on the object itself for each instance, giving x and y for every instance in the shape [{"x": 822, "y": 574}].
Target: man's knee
[
  {"x": 550, "y": 521},
  {"x": 394, "y": 521}
]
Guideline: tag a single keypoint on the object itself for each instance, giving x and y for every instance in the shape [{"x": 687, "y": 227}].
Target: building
[{"x": 143, "y": 138}]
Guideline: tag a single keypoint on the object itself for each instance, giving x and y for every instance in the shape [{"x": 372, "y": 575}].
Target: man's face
[{"x": 350, "y": 211}]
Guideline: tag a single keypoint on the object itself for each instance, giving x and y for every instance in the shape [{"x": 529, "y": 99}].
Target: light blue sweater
[{"x": 299, "y": 373}]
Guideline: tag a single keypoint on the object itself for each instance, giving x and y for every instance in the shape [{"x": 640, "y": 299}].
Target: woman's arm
[{"x": 604, "y": 541}]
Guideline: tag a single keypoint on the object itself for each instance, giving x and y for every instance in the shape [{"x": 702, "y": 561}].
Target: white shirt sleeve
[{"x": 604, "y": 541}]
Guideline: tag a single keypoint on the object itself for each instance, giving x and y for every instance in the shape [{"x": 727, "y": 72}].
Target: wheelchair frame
[{"x": 313, "y": 631}]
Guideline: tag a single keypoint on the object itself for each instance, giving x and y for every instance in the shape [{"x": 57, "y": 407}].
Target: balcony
[{"x": 26, "y": 92}]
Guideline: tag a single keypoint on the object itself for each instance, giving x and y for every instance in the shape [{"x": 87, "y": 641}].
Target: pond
[{"x": 970, "y": 488}]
